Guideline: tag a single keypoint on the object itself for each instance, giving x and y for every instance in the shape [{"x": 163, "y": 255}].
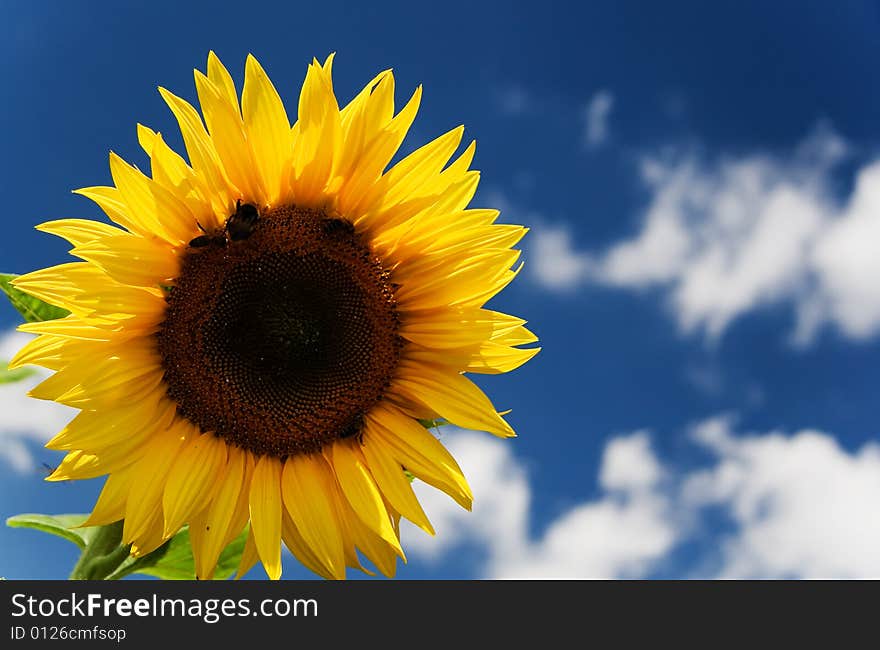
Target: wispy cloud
[
  {"x": 514, "y": 100},
  {"x": 799, "y": 505},
  {"x": 596, "y": 115},
  {"x": 553, "y": 260},
  {"x": 723, "y": 239}
]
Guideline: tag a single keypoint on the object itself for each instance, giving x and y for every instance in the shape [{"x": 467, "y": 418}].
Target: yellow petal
[
  {"x": 317, "y": 138},
  {"x": 87, "y": 291},
  {"x": 79, "y": 465},
  {"x": 370, "y": 95},
  {"x": 342, "y": 513},
  {"x": 230, "y": 141},
  {"x": 358, "y": 194},
  {"x": 131, "y": 260},
  {"x": 124, "y": 424},
  {"x": 493, "y": 358},
  {"x": 150, "y": 539},
  {"x": 436, "y": 281},
  {"x": 487, "y": 358},
  {"x": 265, "y": 509},
  {"x": 249, "y": 556},
  {"x": 456, "y": 327},
  {"x": 171, "y": 172},
  {"x": 307, "y": 488},
  {"x": 360, "y": 489},
  {"x": 297, "y": 545},
  {"x": 153, "y": 209},
  {"x": 453, "y": 396},
  {"x": 110, "y": 506},
  {"x": 202, "y": 154},
  {"x": 192, "y": 481},
  {"x": 110, "y": 200},
  {"x": 46, "y": 351},
  {"x": 380, "y": 107},
  {"x": 394, "y": 485},
  {"x": 364, "y": 117},
  {"x": 225, "y": 517},
  {"x": 67, "y": 327},
  {"x": 222, "y": 80},
  {"x": 410, "y": 174},
  {"x": 268, "y": 129},
  {"x": 418, "y": 451},
  {"x": 124, "y": 372},
  {"x": 144, "y": 507},
  {"x": 377, "y": 550},
  {"x": 79, "y": 231}
]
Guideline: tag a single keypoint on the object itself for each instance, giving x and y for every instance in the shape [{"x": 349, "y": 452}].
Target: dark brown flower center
[{"x": 280, "y": 341}]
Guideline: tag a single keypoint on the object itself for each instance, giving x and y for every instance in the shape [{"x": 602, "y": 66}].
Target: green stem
[{"x": 102, "y": 555}]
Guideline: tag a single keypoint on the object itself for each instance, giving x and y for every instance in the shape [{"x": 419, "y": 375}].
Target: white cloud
[
  {"x": 596, "y": 114},
  {"x": 847, "y": 264},
  {"x": 803, "y": 506},
  {"x": 629, "y": 464},
  {"x": 620, "y": 534},
  {"x": 553, "y": 260},
  {"x": 24, "y": 420},
  {"x": 800, "y": 506},
  {"x": 727, "y": 238}
]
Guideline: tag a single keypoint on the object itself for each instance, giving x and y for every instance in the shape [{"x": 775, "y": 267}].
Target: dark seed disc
[{"x": 279, "y": 343}]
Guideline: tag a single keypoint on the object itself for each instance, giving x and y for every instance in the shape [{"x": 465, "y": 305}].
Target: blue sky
[{"x": 703, "y": 188}]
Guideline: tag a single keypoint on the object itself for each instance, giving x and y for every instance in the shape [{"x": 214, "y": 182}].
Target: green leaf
[
  {"x": 8, "y": 376},
  {"x": 433, "y": 424},
  {"x": 60, "y": 525},
  {"x": 171, "y": 561},
  {"x": 32, "y": 309},
  {"x": 174, "y": 560}
]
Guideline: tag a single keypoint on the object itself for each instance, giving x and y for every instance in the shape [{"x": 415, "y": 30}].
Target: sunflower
[{"x": 257, "y": 341}]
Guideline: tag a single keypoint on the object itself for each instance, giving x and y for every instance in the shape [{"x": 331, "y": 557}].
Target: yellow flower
[{"x": 258, "y": 339}]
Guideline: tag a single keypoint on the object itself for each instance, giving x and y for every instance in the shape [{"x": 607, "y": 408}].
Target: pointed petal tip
[
  {"x": 205, "y": 574},
  {"x": 274, "y": 572},
  {"x": 429, "y": 529},
  {"x": 14, "y": 365}
]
